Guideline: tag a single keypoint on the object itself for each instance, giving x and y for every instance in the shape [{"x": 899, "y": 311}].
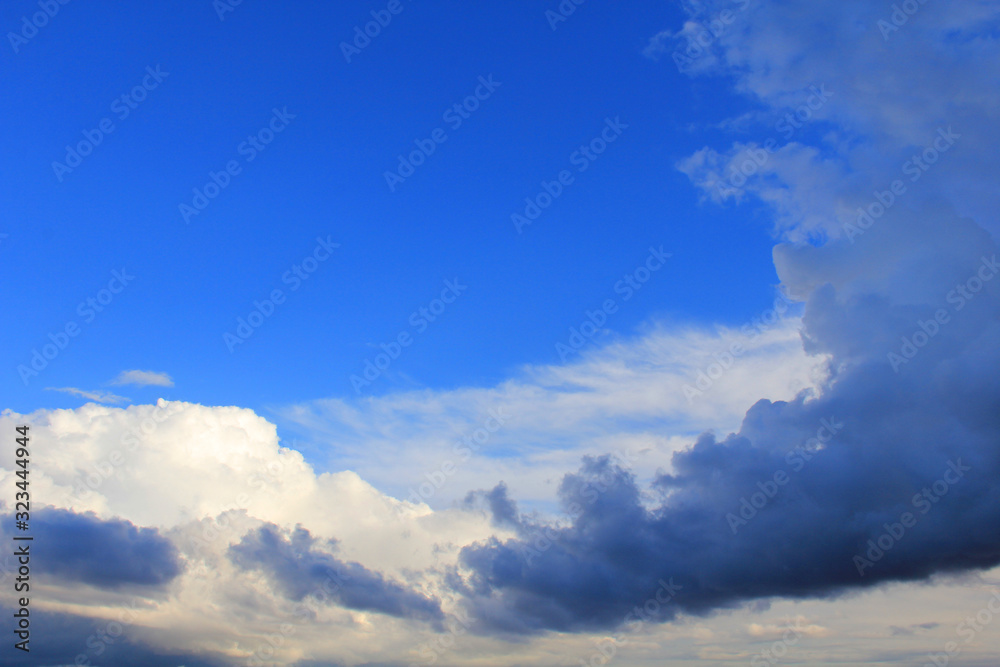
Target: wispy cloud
[
  {"x": 143, "y": 379},
  {"x": 97, "y": 396}
]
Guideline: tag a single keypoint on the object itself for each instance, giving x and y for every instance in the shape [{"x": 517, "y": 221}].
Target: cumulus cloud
[
  {"x": 905, "y": 308},
  {"x": 301, "y": 568},
  {"x": 143, "y": 379},
  {"x": 869, "y": 402}
]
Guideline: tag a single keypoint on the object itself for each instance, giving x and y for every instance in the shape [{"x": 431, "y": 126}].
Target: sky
[{"x": 411, "y": 332}]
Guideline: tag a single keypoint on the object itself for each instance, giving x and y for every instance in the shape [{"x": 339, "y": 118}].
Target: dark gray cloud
[
  {"x": 497, "y": 502},
  {"x": 919, "y": 444},
  {"x": 107, "y": 554},
  {"x": 300, "y": 568},
  {"x": 65, "y": 639}
]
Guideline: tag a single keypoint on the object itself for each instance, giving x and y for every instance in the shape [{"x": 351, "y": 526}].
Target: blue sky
[
  {"x": 324, "y": 176},
  {"x": 495, "y": 338}
]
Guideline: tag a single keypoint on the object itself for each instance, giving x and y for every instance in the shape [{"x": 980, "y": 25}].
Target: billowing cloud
[
  {"x": 883, "y": 470},
  {"x": 302, "y": 568},
  {"x": 887, "y": 473}
]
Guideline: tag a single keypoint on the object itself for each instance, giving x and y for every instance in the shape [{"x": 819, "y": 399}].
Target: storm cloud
[
  {"x": 889, "y": 471},
  {"x": 300, "y": 568},
  {"x": 109, "y": 553}
]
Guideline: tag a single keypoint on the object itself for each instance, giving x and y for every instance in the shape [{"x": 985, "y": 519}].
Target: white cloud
[
  {"x": 98, "y": 395},
  {"x": 627, "y": 396},
  {"x": 143, "y": 379}
]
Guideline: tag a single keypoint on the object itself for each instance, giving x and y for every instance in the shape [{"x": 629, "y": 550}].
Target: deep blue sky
[{"x": 323, "y": 176}]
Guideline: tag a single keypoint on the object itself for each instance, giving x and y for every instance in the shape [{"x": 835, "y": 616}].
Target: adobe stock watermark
[
  {"x": 915, "y": 168},
  {"x": 249, "y": 150},
  {"x": 265, "y": 474},
  {"x": 304, "y": 611},
  {"x": 419, "y": 319},
  {"x": 899, "y": 17},
  {"x": 779, "y": 648},
  {"x": 381, "y": 18},
  {"x": 88, "y": 310},
  {"x": 562, "y": 12},
  {"x": 606, "y": 648},
  {"x": 112, "y": 631},
  {"x": 958, "y": 297},
  {"x": 104, "y": 469},
  {"x": 469, "y": 445},
  {"x": 967, "y": 629},
  {"x": 796, "y": 459},
  {"x": 629, "y": 284},
  {"x": 223, "y": 7},
  {"x": 458, "y": 623},
  {"x": 31, "y": 26},
  {"x": 541, "y": 539},
  {"x": 709, "y": 32},
  {"x": 756, "y": 158},
  {"x": 924, "y": 501},
  {"x": 454, "y": 115},
  {"x": 725, "y": 360},
  {"x": 121, "y": 106},
  {"x": 293, "y": 277},
  {"x": 581, "y": 158}
]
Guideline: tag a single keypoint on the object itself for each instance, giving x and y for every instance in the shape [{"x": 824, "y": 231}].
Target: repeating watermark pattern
[
  {"x": 293, "y": 277},
  {"x": 103, "y": 470},
  {"x": 899, "y": 17},
  {"x": 959, "y": 297},
  {"x": 457, "y": 623},
  {"x": 755, "y": 158},
  {"x": 248, "y": 150},
  {"x": 88, "y": 309},
  {"x": 915, "y": 168},
  {"x": 106, "y": 636},
  {"x": 606, "y": 648},
  {"x": 581, "y": 158},
  {"x": 708, "y": 34},
  {"x": 420, "y": 320},
  {"x": 541, "y": 538},
  {"x": 796, "y": 460},
  {"x": 362, "y": 38},
  {"x": 779, "y": 648},
  {"x": 562, "y": 12},
  {"x": 725, "y": 360},
  {"x": 321, "y": 594},
  {"x": 223, "y": 7},
  {"x": 464, "y": 450},
  {"x": 37, "y": 21},
  {"x": 122, "y": 106},
  {"x": 629, "y": 284},
  {"x": 454, "y": 115},
  {"x": 924, "y": 501},
  {"x": 968, "y": 629}
]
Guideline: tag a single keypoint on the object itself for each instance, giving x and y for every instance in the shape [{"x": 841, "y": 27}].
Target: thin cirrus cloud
[
  {"x": 143, "y": 379},
  {"x": 97, "y": 396}
]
